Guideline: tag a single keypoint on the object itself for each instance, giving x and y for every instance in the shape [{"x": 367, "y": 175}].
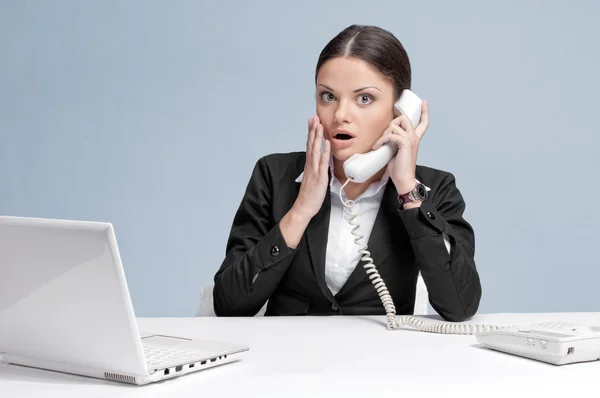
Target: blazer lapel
[{"x": 378, "y": 247}]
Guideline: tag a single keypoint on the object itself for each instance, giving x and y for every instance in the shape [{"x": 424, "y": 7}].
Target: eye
[
  {"x": 365, "y": 99},
  {"x": 327, "y": 97}
]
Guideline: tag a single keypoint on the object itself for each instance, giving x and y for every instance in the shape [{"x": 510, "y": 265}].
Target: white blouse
[{"x": 342, "y": 254}]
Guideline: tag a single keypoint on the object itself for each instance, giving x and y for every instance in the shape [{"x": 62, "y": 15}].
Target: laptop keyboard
[{"x": 161, "y": 357}]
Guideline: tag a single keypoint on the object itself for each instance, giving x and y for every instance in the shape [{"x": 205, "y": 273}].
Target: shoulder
[
  {"x": 286, "y": 160},
  {"x": 431, "y": 175},
  {"x": 281, "y": 166},
  {"x": 441, "y": 182}
]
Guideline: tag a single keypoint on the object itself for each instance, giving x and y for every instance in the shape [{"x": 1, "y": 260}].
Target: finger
[
  {"x": 392, "y": 128},
  {"x": 424, "y": 123},
  {"x": 308, "y": 134},
  {"x": 395, "y": 129},
  {"x": 312, "y": 139},
  {"x": 401, "y": 139},
  {"x": 311, "y": 133},
  {"x": 325, "y": 158},
  {"x": 383, "y": 139},
  {"x": 404, "y": 122},
  {"x": 317, "y": 145},
  {"x": 398, "y": 140}
]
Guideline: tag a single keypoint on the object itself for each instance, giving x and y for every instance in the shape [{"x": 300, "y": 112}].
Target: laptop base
[{"x": 157, "y": 375}]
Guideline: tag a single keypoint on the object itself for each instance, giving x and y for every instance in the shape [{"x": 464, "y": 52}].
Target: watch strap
[{"x": 419, "y": 192}]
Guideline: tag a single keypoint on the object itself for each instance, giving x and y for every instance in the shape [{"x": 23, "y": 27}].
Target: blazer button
[
  {"x": 431, "y": 215},
  {"x": 274, "y": 250},
  {"x": 334, "y": 307}
]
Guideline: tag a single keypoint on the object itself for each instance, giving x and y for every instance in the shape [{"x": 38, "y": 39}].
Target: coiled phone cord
[{"x": 386, "y": 299}]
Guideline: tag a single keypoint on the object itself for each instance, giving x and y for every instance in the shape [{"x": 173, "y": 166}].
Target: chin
[{"x": 344, "y": 154}]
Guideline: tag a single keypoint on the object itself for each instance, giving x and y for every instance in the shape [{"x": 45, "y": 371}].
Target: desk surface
[{"x": 333, "y": 357}]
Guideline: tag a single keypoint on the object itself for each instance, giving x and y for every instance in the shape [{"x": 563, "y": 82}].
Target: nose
[{"x": 342, "y": 112}]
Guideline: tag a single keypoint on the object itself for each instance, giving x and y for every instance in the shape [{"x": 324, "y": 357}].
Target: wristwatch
[{"x": 419, "y": 192}]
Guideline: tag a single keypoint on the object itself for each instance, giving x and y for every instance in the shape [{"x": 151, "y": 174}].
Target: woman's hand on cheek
[{"x": 402, "y": 167}]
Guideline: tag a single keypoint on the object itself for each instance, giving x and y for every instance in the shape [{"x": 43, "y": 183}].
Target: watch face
[{"x": 421, "y": 191}]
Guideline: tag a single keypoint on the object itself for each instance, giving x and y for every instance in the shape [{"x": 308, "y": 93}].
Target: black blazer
[{"x": 259, "y": 266}]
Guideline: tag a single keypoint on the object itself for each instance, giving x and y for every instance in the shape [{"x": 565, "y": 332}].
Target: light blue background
[{"x": 152, "y": 114}]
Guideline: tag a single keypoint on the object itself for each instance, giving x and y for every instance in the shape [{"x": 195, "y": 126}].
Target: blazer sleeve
[
  {"x": 257, "y": 255},
  {"x": 451, "y": 276}
]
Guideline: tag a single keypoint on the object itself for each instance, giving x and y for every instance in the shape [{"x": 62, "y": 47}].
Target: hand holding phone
[{"x": 361, "y": 167}]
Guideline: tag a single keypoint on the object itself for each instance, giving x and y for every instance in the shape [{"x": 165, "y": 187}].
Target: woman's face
[{"x": 354, "y": 99}]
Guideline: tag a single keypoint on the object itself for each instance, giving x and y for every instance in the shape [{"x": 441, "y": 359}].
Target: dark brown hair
[{"x": 374, "y": 45}]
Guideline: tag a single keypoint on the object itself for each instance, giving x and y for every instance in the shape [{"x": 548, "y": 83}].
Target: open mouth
[
  {"x": 343, "y": 136},
  {"x": 342, "y": 140}
]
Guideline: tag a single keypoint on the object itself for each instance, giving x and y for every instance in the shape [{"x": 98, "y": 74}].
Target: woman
[{"x": 291, "y": 243}]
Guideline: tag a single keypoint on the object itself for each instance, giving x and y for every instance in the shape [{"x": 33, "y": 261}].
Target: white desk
[{"x": 334, "y": 357}]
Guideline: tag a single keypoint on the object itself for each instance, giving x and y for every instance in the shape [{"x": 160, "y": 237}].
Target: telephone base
[{"x": 558, "y": 346}]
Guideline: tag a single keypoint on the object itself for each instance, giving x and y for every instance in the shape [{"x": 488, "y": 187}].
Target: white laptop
[{"x": 65, "y": 306}]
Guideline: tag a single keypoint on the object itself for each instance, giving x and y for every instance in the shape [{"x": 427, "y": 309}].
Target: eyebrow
[{"x": 356, "y": 91}]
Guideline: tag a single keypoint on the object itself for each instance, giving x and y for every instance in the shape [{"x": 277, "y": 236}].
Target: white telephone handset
[{"x": 362, "y": 166}]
